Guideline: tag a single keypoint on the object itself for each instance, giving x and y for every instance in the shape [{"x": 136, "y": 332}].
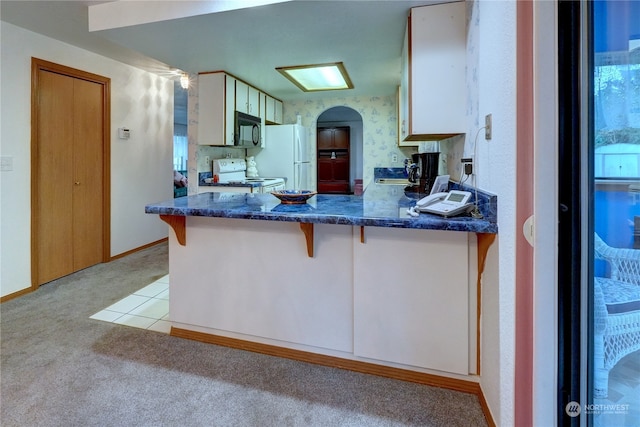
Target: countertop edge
[{"x": 427, "y": 222}]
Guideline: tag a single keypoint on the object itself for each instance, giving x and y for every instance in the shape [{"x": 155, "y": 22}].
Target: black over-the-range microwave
[{"x": 247, "y": 130}]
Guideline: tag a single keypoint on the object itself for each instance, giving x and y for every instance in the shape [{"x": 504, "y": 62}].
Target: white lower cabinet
[
  {"x": 400, "y": 298},
  {"x": 411, "y": 298}
]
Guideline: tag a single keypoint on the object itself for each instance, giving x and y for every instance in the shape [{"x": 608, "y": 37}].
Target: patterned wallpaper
[{"x": 379, "y": 127}]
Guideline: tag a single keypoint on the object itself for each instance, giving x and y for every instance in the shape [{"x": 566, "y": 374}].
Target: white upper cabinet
[
  {"x": 247, "y": 98},
  {"x": 216, "y": 109},
  {"x": 274, "y": 110},
  {"x": 432, "y": 91},
  {"x": 220, "y": 95}
]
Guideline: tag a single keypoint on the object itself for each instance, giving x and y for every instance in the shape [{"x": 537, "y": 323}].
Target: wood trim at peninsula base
[
  {"x": 485, "y": 240},
  {"x": 340, "y": 363},
  {"x": 178, "y": 223},
  {"x": 307, "y": 229}
]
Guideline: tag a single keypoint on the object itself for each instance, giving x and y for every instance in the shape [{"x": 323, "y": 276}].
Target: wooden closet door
[
  {"x": 69, "y": 196},
  {"x": 55, "y": 177},
  {"x": 87, "y": 174}
]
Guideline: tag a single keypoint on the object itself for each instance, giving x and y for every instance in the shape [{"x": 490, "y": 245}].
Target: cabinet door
[
  {"x": 436, "y": 62},
  {"x": 424, "y": 319},
  {"x": 211, "y": 100},
  {"x": 253, "y": 101},
  {"x": 277, "y": 112},
  {"x": 242, "y": 97},
  {"x": 333, "y": 138},
  {"x": 274, "y": 110},
  {"x": 403, "y": 92},
  {"x": 229, "y": 111},
  {"x": 269, "y": 111},
  {"x": 341, "y": 138},
  {"x": 341, "y": 169},
  {"x": 247, "y": 98},
  {"x": 325, "y": 139},
  {"x": 325, "y": 169}
]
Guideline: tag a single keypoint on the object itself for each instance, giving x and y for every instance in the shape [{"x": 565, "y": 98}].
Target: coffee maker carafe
[{"x": 423, "y": 172}]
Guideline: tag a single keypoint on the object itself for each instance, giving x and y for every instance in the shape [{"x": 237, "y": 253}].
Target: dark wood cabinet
[
  {"x": 334, "y": 138},
  {"x": 333, "y": 160}
]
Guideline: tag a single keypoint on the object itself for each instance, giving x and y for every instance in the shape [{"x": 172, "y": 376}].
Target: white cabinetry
[
  {"x": 411, "y": 299},
  {"x": 432, "y": 92},
  {"x": 216, "y": 109},
  {"x": 273, "y": 110},
  {"x": 247, "y": 98},
  {"x": 402, "y": 298},
  {"x": 219, "y": 96}
]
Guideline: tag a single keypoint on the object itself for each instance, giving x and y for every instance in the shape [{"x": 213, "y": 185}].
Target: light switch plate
[{"x": 124, "y": 133}]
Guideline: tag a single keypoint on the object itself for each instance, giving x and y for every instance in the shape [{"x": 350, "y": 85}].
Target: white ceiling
[{"x": 248, "y": 43}]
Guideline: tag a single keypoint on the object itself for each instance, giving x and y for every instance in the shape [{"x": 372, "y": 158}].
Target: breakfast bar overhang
[{"x": 343, "y": 280}]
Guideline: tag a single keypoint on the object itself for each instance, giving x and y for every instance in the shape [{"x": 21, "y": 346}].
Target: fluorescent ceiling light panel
[{"x": 317, "y": 77}]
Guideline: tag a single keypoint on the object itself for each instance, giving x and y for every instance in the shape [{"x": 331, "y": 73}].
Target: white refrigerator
[{"x": 286, "y": 154}]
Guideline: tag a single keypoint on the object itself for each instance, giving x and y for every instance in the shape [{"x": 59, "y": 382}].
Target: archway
[{"x": 339, "y": 153}]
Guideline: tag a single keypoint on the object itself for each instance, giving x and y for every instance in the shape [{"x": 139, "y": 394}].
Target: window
[{"x": 180, "y": 147}]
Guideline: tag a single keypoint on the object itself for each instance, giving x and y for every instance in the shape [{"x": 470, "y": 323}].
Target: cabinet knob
[{"x": 77, "y": 183}]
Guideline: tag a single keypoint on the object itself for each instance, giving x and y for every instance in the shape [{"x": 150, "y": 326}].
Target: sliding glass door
[
  {"x": 615, "y": 129},
  {"x": 599, "y": 231}
]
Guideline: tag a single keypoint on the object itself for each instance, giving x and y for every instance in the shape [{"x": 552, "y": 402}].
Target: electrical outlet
[
  {"x": 467, "y": 165},
  {"x": 487, "y": 127},
  {"x": 394, "y": 158},
  {"x": 207, "y": 160}
]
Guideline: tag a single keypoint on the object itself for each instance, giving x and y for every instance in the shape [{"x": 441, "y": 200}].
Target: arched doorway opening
[{"x": 339, "y": 153}]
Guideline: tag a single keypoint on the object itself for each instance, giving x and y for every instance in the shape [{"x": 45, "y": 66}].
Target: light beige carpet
[{"x": 60, "y": 368}]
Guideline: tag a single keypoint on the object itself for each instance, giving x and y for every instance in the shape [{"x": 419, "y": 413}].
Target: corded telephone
[{"x": 446, "y": 204}]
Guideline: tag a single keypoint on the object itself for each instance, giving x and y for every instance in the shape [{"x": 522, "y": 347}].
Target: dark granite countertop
[{"x": 380, "y": 206}]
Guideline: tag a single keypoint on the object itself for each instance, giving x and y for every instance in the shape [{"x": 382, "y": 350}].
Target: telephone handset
[
  {"x": 432, "y": 198},
  {"x": 446, "y": 204}
]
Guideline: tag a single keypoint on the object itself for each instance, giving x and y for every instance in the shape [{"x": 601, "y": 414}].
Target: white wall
[
  {"x": 141, "y": 167},
  {"x": 491, "y": 86}
]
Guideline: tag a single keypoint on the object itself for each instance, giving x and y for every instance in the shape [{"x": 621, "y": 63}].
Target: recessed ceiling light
[{"x": 317, "y": 77}]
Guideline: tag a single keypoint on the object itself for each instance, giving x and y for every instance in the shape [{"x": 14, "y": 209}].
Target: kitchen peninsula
[{"x": 356, "y": 283}]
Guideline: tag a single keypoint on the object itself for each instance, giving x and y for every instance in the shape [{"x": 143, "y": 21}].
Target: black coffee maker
[{"x": 422, "y": 172}]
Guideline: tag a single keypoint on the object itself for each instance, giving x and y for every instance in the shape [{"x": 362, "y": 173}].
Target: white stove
[
  {"x": 229, "y": 170},
  {"x": 233, "y": 171}
]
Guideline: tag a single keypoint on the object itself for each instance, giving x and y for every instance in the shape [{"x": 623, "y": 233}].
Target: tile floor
[{"x": 147, "y": 308}]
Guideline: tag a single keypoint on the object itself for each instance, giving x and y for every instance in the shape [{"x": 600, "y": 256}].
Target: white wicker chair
[{"x": 616, "y": 311}]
